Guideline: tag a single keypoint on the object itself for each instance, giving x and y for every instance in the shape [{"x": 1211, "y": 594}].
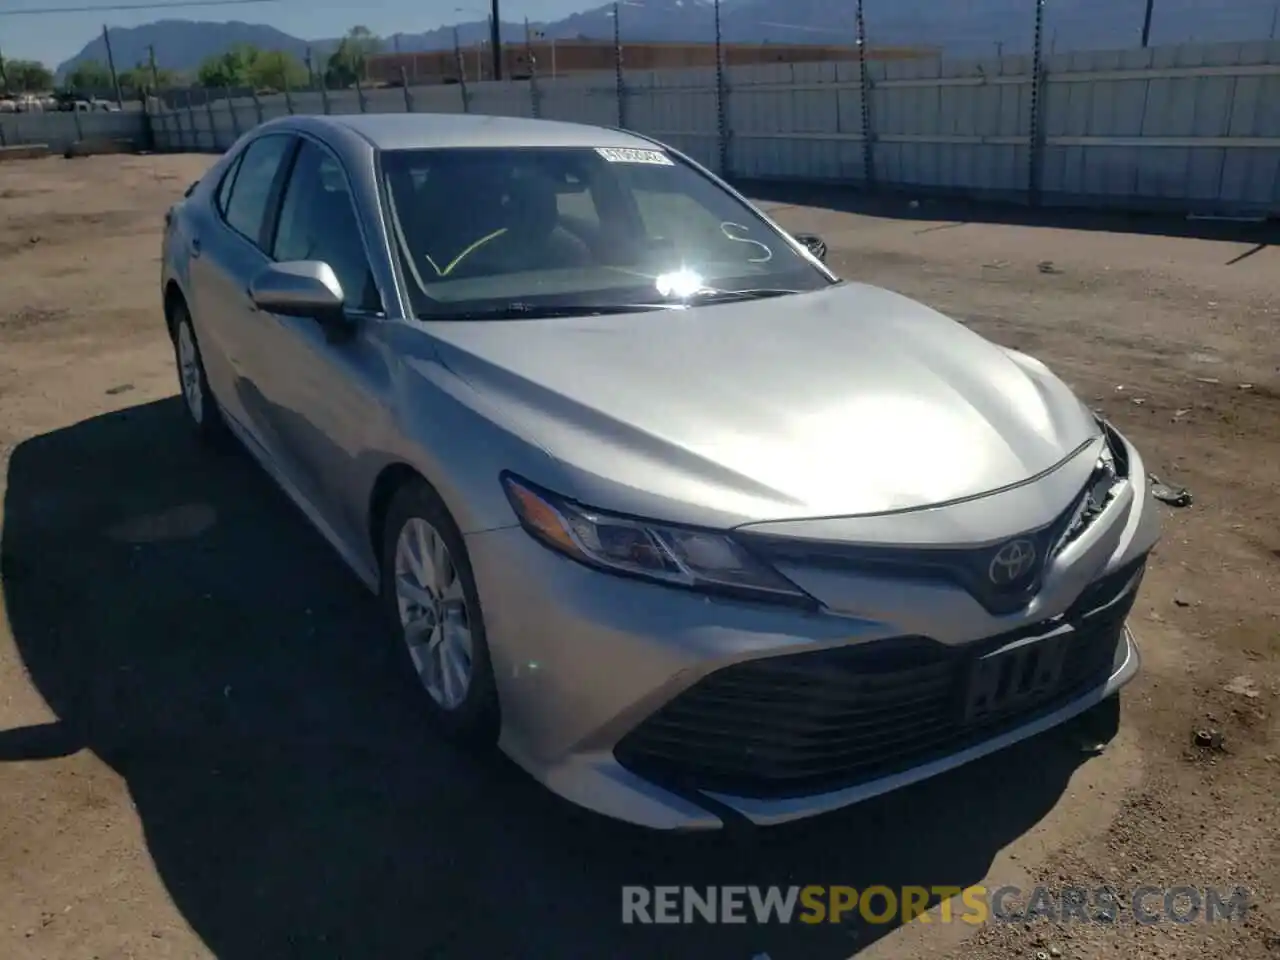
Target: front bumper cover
[{"x": 582, "y": 660}]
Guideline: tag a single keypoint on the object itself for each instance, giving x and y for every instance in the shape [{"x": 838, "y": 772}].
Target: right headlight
[
  {"x": 675, "y": 555},
  {"x": 1105, "y": 480}
]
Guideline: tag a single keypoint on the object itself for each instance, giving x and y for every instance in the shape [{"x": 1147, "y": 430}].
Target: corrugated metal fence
[
  {"x": 1191, "y": 128},
  {"x": 58, "y": 130}
]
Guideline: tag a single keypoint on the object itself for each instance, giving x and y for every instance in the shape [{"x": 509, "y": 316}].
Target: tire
[
  {"x": 472, "y": 715},
  {"x": 197, "y": 399}
]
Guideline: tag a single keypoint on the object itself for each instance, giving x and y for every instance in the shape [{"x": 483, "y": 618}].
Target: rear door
[{"x": 226, "y": 255}]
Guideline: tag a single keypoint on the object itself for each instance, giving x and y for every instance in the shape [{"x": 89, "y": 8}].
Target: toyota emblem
[{"x": 1012, "y": 563}]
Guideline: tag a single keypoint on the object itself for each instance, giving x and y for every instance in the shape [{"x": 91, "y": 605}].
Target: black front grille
[{"x": 825, "y": 720}]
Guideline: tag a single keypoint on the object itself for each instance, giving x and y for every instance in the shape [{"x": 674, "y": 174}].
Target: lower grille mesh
[{"x": 825, "y": 720}]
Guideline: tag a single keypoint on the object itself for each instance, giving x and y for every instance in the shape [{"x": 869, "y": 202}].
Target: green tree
[
  {"x": 348, "y": 62},
  {"x": 90, "y": 76},
  {"x": 276, "y": 70},
  {"x": 142, "y": 77},
  {"x": 25, "y": 76},
  {"x": 229, "y": 68}
]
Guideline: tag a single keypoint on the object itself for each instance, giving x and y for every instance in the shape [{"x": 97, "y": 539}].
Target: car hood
[{"x": 847, "y": 401}]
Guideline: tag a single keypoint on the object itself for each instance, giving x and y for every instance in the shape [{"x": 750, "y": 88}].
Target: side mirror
[
  {"x": 303, "y": 288},
  {"x": 815, "y": 244}
]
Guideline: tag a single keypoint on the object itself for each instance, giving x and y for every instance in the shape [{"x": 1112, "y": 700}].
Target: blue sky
[{"x": 55, "y": 37}]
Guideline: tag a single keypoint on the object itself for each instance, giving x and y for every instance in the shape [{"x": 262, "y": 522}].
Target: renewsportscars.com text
[{"x": 974, "y": 905}]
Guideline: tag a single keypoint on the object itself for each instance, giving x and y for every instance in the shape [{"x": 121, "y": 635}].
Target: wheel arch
[
  {"x": 173, "y": 296},
  {"x": 391, "y": 478}
]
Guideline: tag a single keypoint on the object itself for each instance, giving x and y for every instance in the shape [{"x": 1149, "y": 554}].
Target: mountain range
[{"x": 958, "y": 27}]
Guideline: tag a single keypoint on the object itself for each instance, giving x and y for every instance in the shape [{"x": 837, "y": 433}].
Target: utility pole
[
  {"x": 155, "y": 73},
  {"x": 1146, "y": 23},
  {"x": 111, "y": 65},
  {"x": 4, "y": 76},
  {"x": 617, "y": 68},
  {"x": 495, "y": 38},
  {"x": 722, "y": 98}
]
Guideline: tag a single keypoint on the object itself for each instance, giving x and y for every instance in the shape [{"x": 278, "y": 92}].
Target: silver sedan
[{"x": 691, "y": 529}]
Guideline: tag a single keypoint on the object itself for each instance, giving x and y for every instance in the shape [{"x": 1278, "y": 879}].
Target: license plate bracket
[{"x": 1020, "y": 672}]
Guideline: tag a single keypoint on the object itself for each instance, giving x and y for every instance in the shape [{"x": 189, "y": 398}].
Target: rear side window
[
  {"x": 224, "y": 188},
  {"x": 255, "y": 185}
]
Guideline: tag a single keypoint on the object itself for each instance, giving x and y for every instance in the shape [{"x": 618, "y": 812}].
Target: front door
[{"x": 325, "y": 399}]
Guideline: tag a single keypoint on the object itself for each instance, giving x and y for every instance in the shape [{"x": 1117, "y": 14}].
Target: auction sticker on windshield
[{"x": 632, "y": 155}]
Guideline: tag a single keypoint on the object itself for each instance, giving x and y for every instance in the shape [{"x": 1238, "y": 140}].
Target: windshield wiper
[
  {"x": 702, "y": 297},
  {"x": 727, "y": 296},
  {"x": 538, "y": 311}
]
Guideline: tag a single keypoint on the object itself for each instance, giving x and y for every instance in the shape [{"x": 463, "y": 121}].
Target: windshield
[{"x": 477, "y": 228}]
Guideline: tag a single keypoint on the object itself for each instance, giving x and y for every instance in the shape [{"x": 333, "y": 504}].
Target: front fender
[{"x": 451, "y": 433}]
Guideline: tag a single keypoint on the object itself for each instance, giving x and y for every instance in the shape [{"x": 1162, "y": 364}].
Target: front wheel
[{"x": 429, "y": 596}]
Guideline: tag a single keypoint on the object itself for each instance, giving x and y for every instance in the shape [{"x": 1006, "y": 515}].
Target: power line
[{"x": 113, "y": 8}]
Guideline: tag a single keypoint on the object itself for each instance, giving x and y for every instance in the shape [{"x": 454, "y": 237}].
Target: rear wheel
[
  {"x": 429, "y": 596},
  {"x": 202, "y": 409}
]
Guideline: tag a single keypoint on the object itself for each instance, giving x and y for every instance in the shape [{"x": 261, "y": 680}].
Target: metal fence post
[
  {"x": 158, "y": 123},
  {"x": 231, "y": 109},
  {"x": 191, "y": 120},
  {"x": 535, "y": 95},
  {"x": 288, "y": 97},
  {"x": 865, "y": 87},
  {"x": 1035, "y": 145},
  {"x": 148, "y": 124},
  {"x": 722, "y": 99},
  {"x": 111, "y": 65},
  {"x": 257, "y": 106},
  {"x": 619, "y": 85},
  {"x": 182, "y": 131},
  {"x": 360, "y": 95},
  {"x": 177, "y": 122},
  {"x": 324, "y": 94},
  {"x": 404, "y": 87},
  {"x": 462, "y": 72},
  {"x": 213, "y": 123}
]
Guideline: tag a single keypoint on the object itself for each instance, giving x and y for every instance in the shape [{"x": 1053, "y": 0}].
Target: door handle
[{"x": 195, "y": 248}]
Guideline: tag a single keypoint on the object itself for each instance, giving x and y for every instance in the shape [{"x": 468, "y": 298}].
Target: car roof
[{"x": 408, "y": 131}]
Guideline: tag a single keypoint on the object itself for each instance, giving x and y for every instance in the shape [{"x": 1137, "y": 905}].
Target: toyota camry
[{"x": 690, "y": 528}]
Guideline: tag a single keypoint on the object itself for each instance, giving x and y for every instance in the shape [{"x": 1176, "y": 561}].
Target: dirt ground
[{"x": 205, "y": 751}]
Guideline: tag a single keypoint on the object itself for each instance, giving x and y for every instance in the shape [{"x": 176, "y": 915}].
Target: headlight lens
[{"x": 680, "y": 556}]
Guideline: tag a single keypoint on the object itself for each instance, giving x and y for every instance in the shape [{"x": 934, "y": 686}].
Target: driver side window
[{"x": 318, "y": 222}]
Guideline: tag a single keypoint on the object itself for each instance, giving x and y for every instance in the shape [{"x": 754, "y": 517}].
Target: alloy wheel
[
  {"x": 189, "y": 372},
  {"x": 433, "y": 613}
]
